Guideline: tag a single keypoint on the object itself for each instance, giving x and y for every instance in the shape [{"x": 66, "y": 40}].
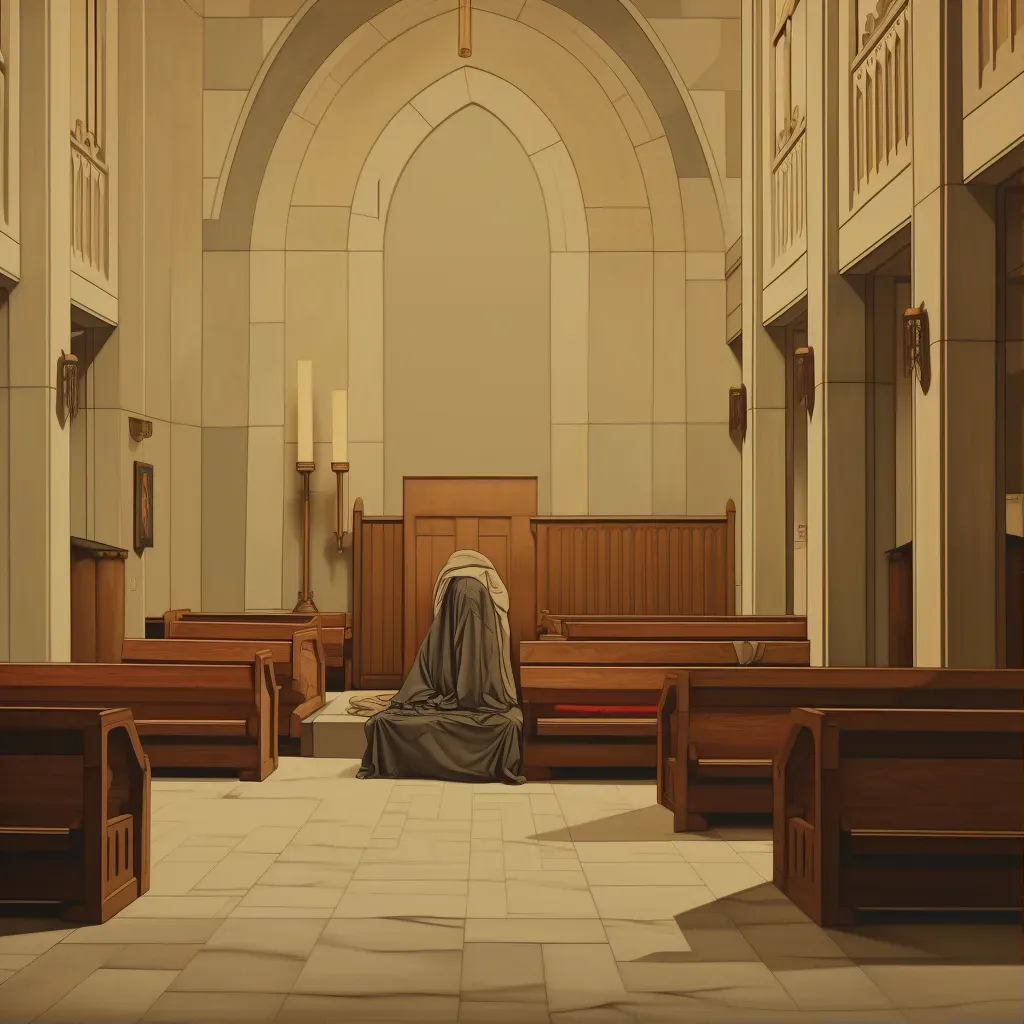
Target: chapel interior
[{"x": 511, "y": 511}]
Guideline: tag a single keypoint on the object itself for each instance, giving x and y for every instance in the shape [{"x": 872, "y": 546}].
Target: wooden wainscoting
[
  {"x": 377, "y": 586},
  {"x": 656, "y": 565}
]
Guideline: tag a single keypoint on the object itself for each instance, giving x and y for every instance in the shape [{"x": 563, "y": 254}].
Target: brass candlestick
[
  {"x": 341, "y": 509},
  {"x": 305, "y": 604}
]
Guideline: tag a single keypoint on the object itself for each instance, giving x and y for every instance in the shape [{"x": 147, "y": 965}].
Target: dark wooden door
[{"x": 487, "y": 514}]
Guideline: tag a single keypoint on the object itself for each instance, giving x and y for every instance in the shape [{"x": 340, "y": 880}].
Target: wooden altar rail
[{"x": 597, "y": 565}]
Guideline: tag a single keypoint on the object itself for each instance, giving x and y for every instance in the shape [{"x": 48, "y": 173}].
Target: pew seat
[
  {"x": 898, "y": 809},
  {"x": 672, "y": 627},
  {"x": 719, "y": 730},
  {"x": 187, "y": 716},
  {"x": 74, "y": 810},
  {"x": 298, "y": 667}
]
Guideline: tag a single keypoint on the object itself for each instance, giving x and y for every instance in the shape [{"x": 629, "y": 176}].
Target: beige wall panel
[
  {"x": 710, "y": 266},
  {"x": 570, "y": 450},
  {"x": 266, "y": 375},
  {"x": 514, "y": 108},
  {"x": 225, "y": 338},
  {"x": 315, "y": 329},
  {"x": 156, "y": 592},
  {"x": 270, "y": 219},
  {"x": 266, "y": 287},
  {"x": 224, "y": 8},
  {"x": 384, "y": 163},
  {"x": 663, "y": 189},
  {"x": 706, "y": 50},
  {"x": 711, "y": 112},
  {"x": 567, "y": 217},
  {"x": 701, "y": 216},
  {"x": 620, "y": 230},
  {"x": 108, "y": 446},
  {"x": 318, "y": 228},
  {"x": 403, "y": 15},
  {"x": 712, "y": 469},
  {"x": 366, "y": 476},
  {"x": 220, "y": 114},
  {"x": 670, "y": 270},
  {"x": 446, "y": 95},
  {"x": 232, "y": 52},
  {"x": 323, "y": 85},
  {"x": 272, "y": 28},
  {"x": 224, "y": 477},
  {"x": 620, "y": 469},
  {"x": 270, "y": 8},
  {"x": 186, "y": 517},
  {"x": 669, "y": 469},
  {"x": 79, "y": 433},
  {"x": 632, "y": 120},
  {"x": 264, "y": 527},
  {"x": 711, "y": 366},
  {"x": 366, "y": 347},
  {"x": 467, "y": 310},
  {"x": 621, "y": 338},
  {"x": 570, "y": 337}
]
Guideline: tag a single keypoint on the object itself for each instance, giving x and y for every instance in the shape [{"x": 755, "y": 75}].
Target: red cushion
[{"x": 605, "y": 709}]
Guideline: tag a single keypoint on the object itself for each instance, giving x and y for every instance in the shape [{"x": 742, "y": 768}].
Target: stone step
[{"x": 332, "y": 731}]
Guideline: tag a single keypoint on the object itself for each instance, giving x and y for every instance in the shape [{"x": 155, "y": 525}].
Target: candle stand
[
  {"x": 305, "y": 604},
  {"x": 341, "y": 532}
]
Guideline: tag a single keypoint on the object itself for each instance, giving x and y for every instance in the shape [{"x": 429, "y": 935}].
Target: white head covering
[{"x": 480, "y": 568}]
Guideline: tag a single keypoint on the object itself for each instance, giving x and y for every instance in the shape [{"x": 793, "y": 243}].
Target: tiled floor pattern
[{"x": 315, "y": 897}]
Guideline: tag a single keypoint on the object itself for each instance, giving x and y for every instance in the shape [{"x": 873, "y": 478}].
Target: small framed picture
[{"x": 143, "y": 507}]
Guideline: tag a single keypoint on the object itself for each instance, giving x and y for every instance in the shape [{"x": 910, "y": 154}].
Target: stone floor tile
[
  {"x": 15, "y": 961},
  {"x": 648, "y": 902},
  {"x": 735, "y": 985},
  {"x": 536, "y": 929},
  {"x": 334, "y": 971},
  {"x": 549, "y": 894},
  {"x": 394, "y": 935},
  {"x": 189, "y": 906},
  {"x": 796, "y": 945},
  {"x": 128, "y": 930},
  {"x": 725, "y": 879},
  {"x": 5, "y": 974},
  {"x": 294, "y": 938},
  {"x": 356, "y": 904},
  {"x": 412, "y": 871},
  {"x": 319, "y": 875},
  {"x": 832, "y": 988},
  {"x": 215, "y": 1008},
  {"x": 628, "y": 853},
  {"x": 650, "y": 873},
  {"x": 236, "y": 871},
  {"x": 933, "y": 986},
  {"x": 510, "y": 1012},
  {"x": 645, "y": 940},
  {"x": 226, "y": 970},
  {"x": 503, "y": 972},
  {"x": 305, "y": 1009},
  {"x": 154, "y": 956},
  {"x": 291, "y": 896},
  {"x": 31, "y": 935},
  {"x": 580, "y": 977},
  {"x": 715, "y": 851},
  {"x": 487, "y": 899},
  {"x": 111, "y": 996}
]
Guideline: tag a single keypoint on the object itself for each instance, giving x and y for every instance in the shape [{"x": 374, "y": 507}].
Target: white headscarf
[{"x": 480, "y": 568}]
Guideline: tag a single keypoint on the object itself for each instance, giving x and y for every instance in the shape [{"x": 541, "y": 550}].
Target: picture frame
[{"x": 143, "y": 507}]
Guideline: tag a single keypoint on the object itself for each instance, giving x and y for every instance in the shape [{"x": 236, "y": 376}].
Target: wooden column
[{"x": 97, "y": 601}]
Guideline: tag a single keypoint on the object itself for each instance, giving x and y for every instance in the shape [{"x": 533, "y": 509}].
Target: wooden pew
[
  {"x": 187, "y": 716},
  {"x": 74, "y": 810},
  {"x": 719, "y": 729},
  {"x": 594, "y": 704},
  {"x": 335, "y": 634},
  {"x": 673, "y": 627},
  {"x": 298, "y": 666},
  {"x": 895, "y": 809}
]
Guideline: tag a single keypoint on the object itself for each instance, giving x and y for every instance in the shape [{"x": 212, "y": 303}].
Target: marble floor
[{"x": 314, "y": 897}]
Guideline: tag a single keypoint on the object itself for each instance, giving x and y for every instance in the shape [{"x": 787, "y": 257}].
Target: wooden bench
[
  {"x": 298, "y": 666},
  {"x": 74, "y": 810},
  {"x": 673, "y": 627},
  {"x": 895, "y": 809},
  {"x": 335, "y": 634},
  {"x": 720, "y": 729},
  {"x": 187, "y": 716}
]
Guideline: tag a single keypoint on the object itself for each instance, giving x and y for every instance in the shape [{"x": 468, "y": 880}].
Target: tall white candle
[
  {"x": 339, "y": 408},
  {"x": 304, "y": 379}
]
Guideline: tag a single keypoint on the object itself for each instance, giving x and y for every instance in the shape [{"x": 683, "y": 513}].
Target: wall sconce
[
  {"x": 916, "y": 346},
  {"x": 139, "y": 430},
  {"x": 67, "y": 388},
  {"x": 803, "y": 373},
  {"x": 341, "y": 525},
  {"x": 738, "y": 411}
]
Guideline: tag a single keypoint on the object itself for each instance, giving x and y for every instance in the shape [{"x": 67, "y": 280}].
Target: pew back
[
  {"x": 74, "y": 808},
  {"x": 674, "y": 627}
]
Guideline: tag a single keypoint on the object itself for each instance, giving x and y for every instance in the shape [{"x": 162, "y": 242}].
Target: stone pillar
[
  {"x": 40, "y": 553},
  {"x": 836, "y": 449},
  {"x": 955, "y": 446},
  {"x": 763, "y": 520}
]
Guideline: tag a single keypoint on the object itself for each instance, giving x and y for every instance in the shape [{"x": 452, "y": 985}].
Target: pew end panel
[{"x": 75, "y": 802}]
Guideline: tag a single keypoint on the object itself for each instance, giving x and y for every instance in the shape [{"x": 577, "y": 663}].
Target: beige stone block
[
  {"x": 366, "y": 475},
  {"x": 315, "y": 328},
  {"x": 711, "y": 366},
  {"x": 713, "y": 469},
  {"x": 670, "y": 337},
  {"x": 733, "y": 188},
  {"x": 273, "y": 8},
  {"x": 264, "y": 523},
  {"x": 224, "y": 479},
  {"x": 323, "y": 228},
  {"x": 272, "y": 29},
  {"x": 365, "y": 234},
  {"x": 632, "y": 120},
  {"x": 669, "y": 469},
  {"x": 209, "y": 192},
  {"x": 711, "y": 111},
  {"x": 354, "y": 52},
  {"x": 620, "y": 469},
  {"x": 266, "y": 375},
  {"x": 225, "y": 338},
  {"x": 570, "y": 336},
  {"x": 443, "y": 98},
  {"x": 663, "y": 193},
  {"x": 270, "y": 220},
  {"x": 221, "y": 108},
  {"x": 313, "y": 107},
  {"x": 385, "y": 162},
  {"x": 266, "y": 287},
  {"x": 621, "y": 338},
  {"x": 366, "y": 347},
  {"x": 406, "y": 14},
  {"x": 567, "y": 217},
  {"x": 232, "y": 52},
  {"x": 569, "y": 475},
  {"x": 513, "y": 108},
  {"x": 226, "y": 8},
  {"x": 620, "y": 230},
  {"x": 710, "y": 266},
  {"x": 701, "y": 216},
  {"x": 706, "y": 51},
  {"x": 186, "y": 516}
]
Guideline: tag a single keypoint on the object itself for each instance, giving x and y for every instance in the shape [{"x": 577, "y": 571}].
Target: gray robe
[{"x": 453, "y": 718}]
